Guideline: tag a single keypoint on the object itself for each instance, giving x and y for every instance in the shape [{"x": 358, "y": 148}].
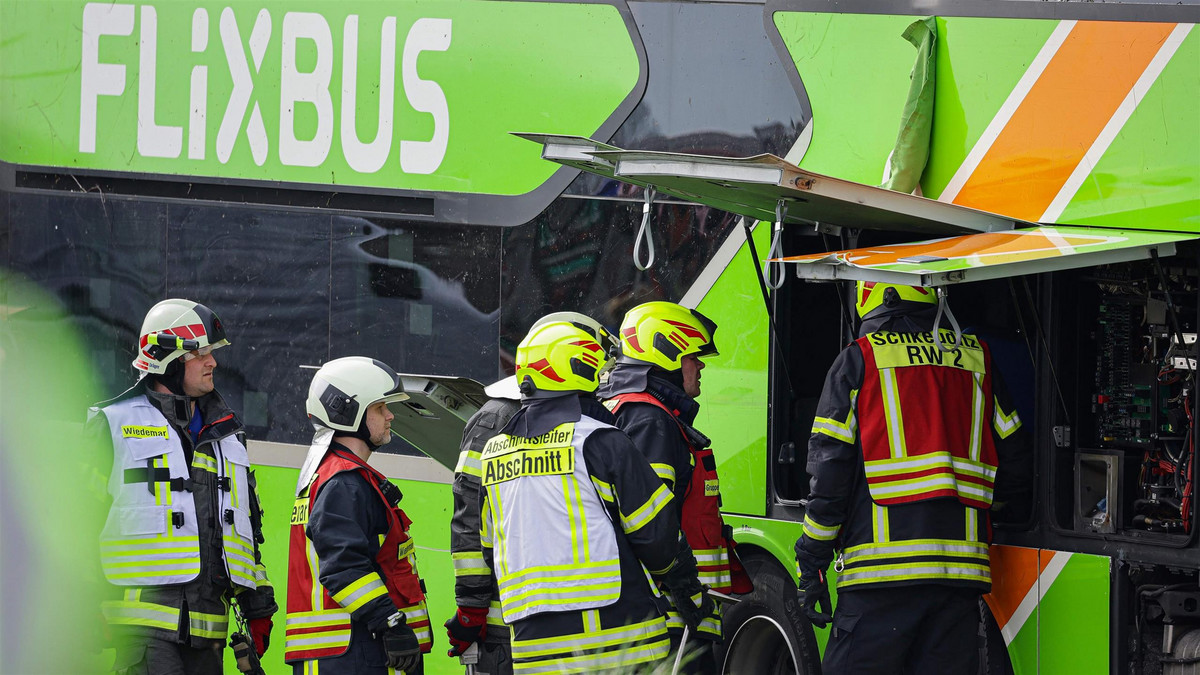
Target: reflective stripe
[
  {"x": 469, "y": 563},
  {"x": 321, "y": 629},
  {"x": 202, "y": 460},
  {"x": 613, "y": 639},
  {"x": 360, "y": 592},
  {"x": 665, "y": 471},
  {"x": 494, "y": 618},
  {"x": 416, "y": 617},
  {"x": 646, "y": 512},
  {"x": 975, "y": 447},
  {"x": 130, "y": 613},
  {"x": 711, "y": 556},
  {"x": 915, "y": 547},
  {"x": 710, "y": 624},
  {"x": 815, "y": 530},
  {"x": 845, "y": 432},
  {"x": 468, "y": 463},
  {"x": 716, "y": 578},
  {"x": 880, "y": 527},
  {"x": 914, "y": 571},
  {"x": 893, "y": 416},
  {"x": 605, "y": 490},
  {"x": 212, "y": 626},
  {"x": 925, "y": 462},
  {"x": 1004, "y": 424},
  {"x": 551, "y": 585}
]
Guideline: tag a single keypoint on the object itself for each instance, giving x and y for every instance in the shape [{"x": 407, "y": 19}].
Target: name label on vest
[
  {"x": 300, "y": 511},
  {"x": 507, "y": 457},
  {"x": 900, "y": 350},
  {"x": 712, "y": 488},
  {"x": 135, "y": 431}
]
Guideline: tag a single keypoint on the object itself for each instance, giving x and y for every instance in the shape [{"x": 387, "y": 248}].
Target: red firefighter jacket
[{"x": 349, "y": 570}]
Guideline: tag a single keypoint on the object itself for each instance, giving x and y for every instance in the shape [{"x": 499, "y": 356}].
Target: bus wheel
[{"x": 766, "y": 632}]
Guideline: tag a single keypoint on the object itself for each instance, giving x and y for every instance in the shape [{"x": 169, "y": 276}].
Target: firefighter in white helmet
[
  {"x": 355, "y": 605},
  {"x": 183, "y": 533},
  {"x": 477, "y": 618},
  {"x": 572, "y": 519}
]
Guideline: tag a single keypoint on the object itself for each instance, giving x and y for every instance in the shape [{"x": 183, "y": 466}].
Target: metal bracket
[{"x": 1062, "y": 436}]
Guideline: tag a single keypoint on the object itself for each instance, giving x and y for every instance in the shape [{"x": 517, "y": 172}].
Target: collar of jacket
[
  {"x": 539, "y": 415},
  {"x": 674, "y": 398},
  {"x": 900, "y": 320},
  {"x": 219, "y": 419}
]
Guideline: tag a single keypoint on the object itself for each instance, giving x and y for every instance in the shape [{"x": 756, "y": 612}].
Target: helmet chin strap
[
  {"x": 172, "y": 377},
  {"x": 363, "y": 434}
]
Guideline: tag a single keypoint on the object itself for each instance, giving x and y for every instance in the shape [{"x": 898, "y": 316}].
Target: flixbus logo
[
  {"x": 399, "y": 96},
  {"x": 298, "y": 84}
]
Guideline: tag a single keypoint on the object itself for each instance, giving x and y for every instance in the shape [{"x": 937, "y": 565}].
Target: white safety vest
[
  {"x": 151, "y": 538},
  {"x": 554, "y": 546}
]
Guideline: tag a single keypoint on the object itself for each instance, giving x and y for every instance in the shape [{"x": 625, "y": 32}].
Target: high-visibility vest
[
  {"x": 554, "y": 546},
  {"x": 151, "y": 537},
  {"x": 318, "y": 622},
  {"x": 925, "y": 419},
  {"x": 700, "y": 517}
]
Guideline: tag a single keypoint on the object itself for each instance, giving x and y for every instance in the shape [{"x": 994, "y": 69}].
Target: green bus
[{"x": 419, "y": 182}]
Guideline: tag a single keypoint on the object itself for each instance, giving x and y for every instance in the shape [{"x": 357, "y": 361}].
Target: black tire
[
  {"x": 993, "y": 653},
  {"x": 774, "y": 598}
]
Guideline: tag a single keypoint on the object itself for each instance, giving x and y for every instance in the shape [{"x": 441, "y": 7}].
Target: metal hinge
[{"x": 1062, "y": 436}]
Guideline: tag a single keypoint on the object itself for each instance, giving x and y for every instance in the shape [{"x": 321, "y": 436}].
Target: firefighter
[
  {"x": 477, "y": 618},
  {"x": 652, "y": 390},
  {"x": 573, "y": 518},
  {"x": 355, "y": 603},
  {"x": 910, "y": 448},
  {"x": 182, "y": 536}
]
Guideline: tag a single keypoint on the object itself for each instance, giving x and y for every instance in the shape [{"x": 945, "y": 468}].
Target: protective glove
[
  {"x": 813, "y": 595},
  {"x": 400, "y": 643},
  {"x": 687, "y": 593},
  {"x": 260, "y": 631},
  {"x": 465, "y": 628}
]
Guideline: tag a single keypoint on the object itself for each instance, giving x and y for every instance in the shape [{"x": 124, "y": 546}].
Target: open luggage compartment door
[
  {"x": 755, "y": 186},
  {"x": 433, "y": 417},
  {"x": 991, "y": 255}
]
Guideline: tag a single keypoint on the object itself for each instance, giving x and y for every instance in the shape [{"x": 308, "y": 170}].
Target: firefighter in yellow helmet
[
  {"x": 653, "y": 392},
  {"x": 911, "y": 447},
  {"x": 572, "y": 519},
  {"x": 477, "y": 618},
  {"x": 183, "y": 534}
]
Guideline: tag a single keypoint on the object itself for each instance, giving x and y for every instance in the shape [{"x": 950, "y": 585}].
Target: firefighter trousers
[{"x": 910, "y": 629}]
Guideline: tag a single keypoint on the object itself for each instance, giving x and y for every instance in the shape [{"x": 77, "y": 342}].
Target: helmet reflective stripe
[
  {"x": 193, "y": 326},
  {"x": 343, "y": 389},
  {"x": 870, "y": 295},
  {"x": 558, "y": 357},
  {"x": 662, "y": 333}
]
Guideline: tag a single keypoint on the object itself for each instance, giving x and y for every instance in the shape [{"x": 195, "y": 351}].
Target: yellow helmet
[
  {"x": 662, "y": 333},
  {"x": 870, "y": 295},
  {"x": 559, "y": 357}
]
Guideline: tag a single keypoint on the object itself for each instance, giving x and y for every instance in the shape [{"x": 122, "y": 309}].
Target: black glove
[
  {"x": 400, "y": 643},
  {"x": 813, "y": 594},
  {"x": 689, "y": 596}
]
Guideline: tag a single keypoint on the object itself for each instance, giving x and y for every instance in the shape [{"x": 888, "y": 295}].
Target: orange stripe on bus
[
  {"x": 1015, "y": 572},
  {"x": 1081, "y": 88}
]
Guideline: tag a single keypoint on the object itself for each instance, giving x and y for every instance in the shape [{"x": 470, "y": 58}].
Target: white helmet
[
  {"x": 344, "y": 388},
  {"x": 173, "y": 328}
]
